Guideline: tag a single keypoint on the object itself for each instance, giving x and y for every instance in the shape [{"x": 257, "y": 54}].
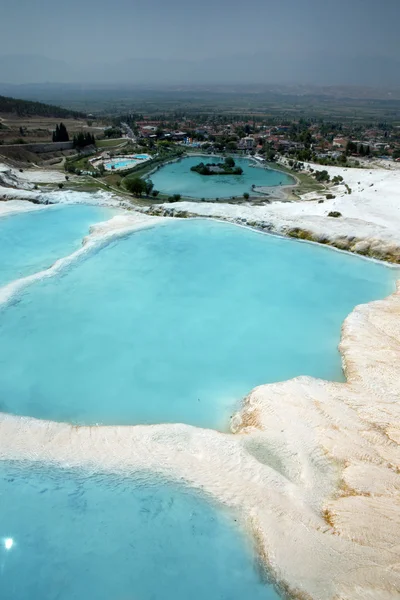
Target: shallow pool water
[
  {"x": 121, "y": 164},
  {"x": 34, "y": 240},
  {"x": 70, "y": 535},
  {"x": 177, "y": 178},
  {"x": 177, "y": 323},
  {"x": 128, "y": 162}
]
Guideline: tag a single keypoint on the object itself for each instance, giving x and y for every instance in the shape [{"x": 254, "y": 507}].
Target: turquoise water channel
[
  {"x": 34, "y": 240},
  {"x": 177, "y": 178},
  {"x": 73, "y": 535},
  {"x": 177, "y": 323}
]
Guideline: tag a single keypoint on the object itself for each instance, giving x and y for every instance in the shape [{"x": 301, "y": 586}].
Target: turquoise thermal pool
[
  {"x": 33, "y": 240},
  {"x": 177, "y": 178},
  {"x": 176, "y": 323},
  {"x": 76, "y": 535}
]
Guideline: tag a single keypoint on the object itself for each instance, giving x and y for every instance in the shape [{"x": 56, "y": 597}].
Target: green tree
[
  {"x": 112, "y": 132},
  {"x": 229, "y": 162},
  {"x": 136, "y": 186},
  {"x": 322, "y": 175},
  {"x": 351, "y": 148},
  {"x": 246, "y": 196},
  {"x": 231, "y": 146}
]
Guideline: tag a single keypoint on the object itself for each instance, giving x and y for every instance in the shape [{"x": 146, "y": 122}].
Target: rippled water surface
[
  {"x": 68, "y": 535},
  {"x": 177, "y": 323}
]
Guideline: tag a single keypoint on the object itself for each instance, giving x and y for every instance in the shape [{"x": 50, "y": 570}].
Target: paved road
[{"x": 125, "y": 127}]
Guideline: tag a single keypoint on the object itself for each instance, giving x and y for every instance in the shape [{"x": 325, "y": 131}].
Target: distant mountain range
[{"x": 257, "y": 68}]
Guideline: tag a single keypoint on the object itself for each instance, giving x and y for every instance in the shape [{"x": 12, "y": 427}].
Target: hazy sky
[
  {"x": 79, "y": 29},
  {"x": 304, "y": 40}
]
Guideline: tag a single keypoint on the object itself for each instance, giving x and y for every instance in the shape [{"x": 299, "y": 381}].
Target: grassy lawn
[
  {"x": 306, "y": 183},
  {"x": 112, "y": 179}
]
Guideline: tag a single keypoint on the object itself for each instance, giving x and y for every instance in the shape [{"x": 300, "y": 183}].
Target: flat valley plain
[{"x": 356, "y": 104}]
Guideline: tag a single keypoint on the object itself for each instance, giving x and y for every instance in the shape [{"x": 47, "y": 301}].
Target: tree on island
[
  {"x": 60, "y": 134},
  {"x": 226, "y": 168}
]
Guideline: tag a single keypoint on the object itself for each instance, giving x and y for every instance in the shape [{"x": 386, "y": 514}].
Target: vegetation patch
[{"x": 228, "y": 167}]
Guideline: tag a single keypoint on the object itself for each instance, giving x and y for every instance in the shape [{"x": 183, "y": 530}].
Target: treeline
[
  {"x": 27, "y": 108},
  {"x": 60, "y": 134},
  {"x": 84, "y": 139}
]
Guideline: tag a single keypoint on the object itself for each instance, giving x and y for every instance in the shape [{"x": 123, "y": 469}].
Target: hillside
[{"x": 24, "y": 108}]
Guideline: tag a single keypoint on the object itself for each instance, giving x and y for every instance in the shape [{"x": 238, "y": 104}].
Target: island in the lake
[{"x": 227, "y": 167}]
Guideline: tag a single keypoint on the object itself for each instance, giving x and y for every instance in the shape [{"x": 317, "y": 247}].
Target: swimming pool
[
  {"x": 177, "y": 178},
  {"x": 127, "y": 162},
  {"x": 68, "y": 534},
  {"x": 177, "y": 323},
  {"x": 121, "y": 164}
]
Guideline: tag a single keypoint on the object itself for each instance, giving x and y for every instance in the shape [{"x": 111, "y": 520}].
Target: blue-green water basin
[
  {"x": 34, "y": 240},
  {"x": 73, "y": 535},
  {"x": 177, "y": 323},
  {"x": 177, "y": 178}
]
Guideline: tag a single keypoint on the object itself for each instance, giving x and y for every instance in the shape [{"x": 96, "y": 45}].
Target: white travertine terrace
[
  {"x": 313, "y": 467},
  {"x": 369, "y": 223}
]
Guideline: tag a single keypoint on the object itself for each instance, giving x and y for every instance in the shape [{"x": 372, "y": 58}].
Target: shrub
[
  {"x": 330, "y": 196},
  {"x": 176, "y": 197},
  {"x": 334, "y": 213},
  {"x": 322, "y": 175},
  {"x": 155, "y": 193},
  {"x": 246, "y": 196},
  {"x": 61, "y": 185},
  {"x": 337, "y": 179}
]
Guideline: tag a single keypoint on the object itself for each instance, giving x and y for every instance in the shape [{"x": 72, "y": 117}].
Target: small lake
[
  {"x": 177, "y": 323},
  {"x": 74, "y": 535},
  {"x": 177, "y": 178}
]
